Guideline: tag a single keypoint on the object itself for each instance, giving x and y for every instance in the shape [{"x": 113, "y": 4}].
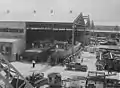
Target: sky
[{"x": 102, "y": 12}]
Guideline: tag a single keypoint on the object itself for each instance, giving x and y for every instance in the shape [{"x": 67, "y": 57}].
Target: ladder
[{"x": 11, "y": 76}]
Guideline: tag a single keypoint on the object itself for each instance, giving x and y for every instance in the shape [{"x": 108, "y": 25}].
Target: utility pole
[
  {"x": 73, "y": 39},
  {"x": 92, "y": 27}
]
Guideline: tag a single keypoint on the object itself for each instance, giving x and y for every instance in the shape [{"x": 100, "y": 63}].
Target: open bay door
[{"x": 10, "y": 77}]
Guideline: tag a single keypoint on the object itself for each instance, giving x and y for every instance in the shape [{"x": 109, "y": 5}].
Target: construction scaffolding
[{"x": 10, "y": 77}]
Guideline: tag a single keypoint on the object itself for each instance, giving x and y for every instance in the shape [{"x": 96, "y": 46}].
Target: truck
[{"x": 76, "y": 66}]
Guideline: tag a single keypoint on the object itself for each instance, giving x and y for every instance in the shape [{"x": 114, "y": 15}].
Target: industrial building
[{"x": 12, "y": 39}]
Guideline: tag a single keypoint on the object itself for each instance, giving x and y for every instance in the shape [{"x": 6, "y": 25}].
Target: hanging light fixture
[
  {"x": 52, "y": 12},
  {"x": 34, "y": 11},
  {"x": 8, "y": 11},
  {"x": 71, "y": 11}
]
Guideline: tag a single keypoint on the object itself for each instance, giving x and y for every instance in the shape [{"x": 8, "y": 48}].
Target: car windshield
[{"x": 77, "y": 63}]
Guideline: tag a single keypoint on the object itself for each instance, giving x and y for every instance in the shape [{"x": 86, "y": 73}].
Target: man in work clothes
[{"x": 33, "y": 62}]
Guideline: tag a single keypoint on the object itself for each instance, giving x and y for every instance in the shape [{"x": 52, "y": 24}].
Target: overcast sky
[{"x": 105, "y": 12}]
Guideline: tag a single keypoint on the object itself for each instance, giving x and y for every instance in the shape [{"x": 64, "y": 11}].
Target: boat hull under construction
[
  {"x": 61, "y": 54},
  {"x": 50, "y": 53}
]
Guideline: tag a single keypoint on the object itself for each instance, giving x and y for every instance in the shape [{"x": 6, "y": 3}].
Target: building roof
[
  {"x": 49, "y": 24},
  {"x": 8, "y": 40},
  {"x": 105, "y": 28},
  {"x": 12, "y": 24}
]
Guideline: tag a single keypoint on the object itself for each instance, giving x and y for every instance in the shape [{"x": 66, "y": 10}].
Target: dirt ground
[
  {"x": 25, "y": 68},
  {"x": 89, "y": 59}
]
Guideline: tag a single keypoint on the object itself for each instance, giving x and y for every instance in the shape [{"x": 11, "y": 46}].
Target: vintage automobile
[
  {"x": 76, "y": 66},
  {"x": 37, "y": 79},
  {"x": 55, "y": 80}
]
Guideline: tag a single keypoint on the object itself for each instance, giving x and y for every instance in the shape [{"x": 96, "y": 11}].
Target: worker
[
  {"x": 33, "y": 63},
  {"x": 78, "y": 57},
  {"x": 21, "y": 58},
  {"x": 57, "y": 46},
  {"x": 32, "y": 45},
  {"x": 49, "y": 60},
  {"x": 110, "y": 69},
  {"x": 81, "y": 60}
]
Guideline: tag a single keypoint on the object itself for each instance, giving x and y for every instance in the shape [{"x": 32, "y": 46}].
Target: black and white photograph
[{"x": 59, "y": 43}]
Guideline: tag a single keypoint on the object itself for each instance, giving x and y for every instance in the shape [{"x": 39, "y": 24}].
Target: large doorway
[
  {"x": 34, "y": 35},
  {"x": 6, "y": 49}
]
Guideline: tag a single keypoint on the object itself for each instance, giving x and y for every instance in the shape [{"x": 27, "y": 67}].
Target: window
[
  {"x": 50, "y": 79},
  {"x": 11, "y": 30},
  {"x": 8, "y": 50},
  {"x": 21, "y": 30},
  {"x": 3, "y": 30}
]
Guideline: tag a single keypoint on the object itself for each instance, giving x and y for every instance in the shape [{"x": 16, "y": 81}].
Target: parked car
[{"x": 76, "y": 66}]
